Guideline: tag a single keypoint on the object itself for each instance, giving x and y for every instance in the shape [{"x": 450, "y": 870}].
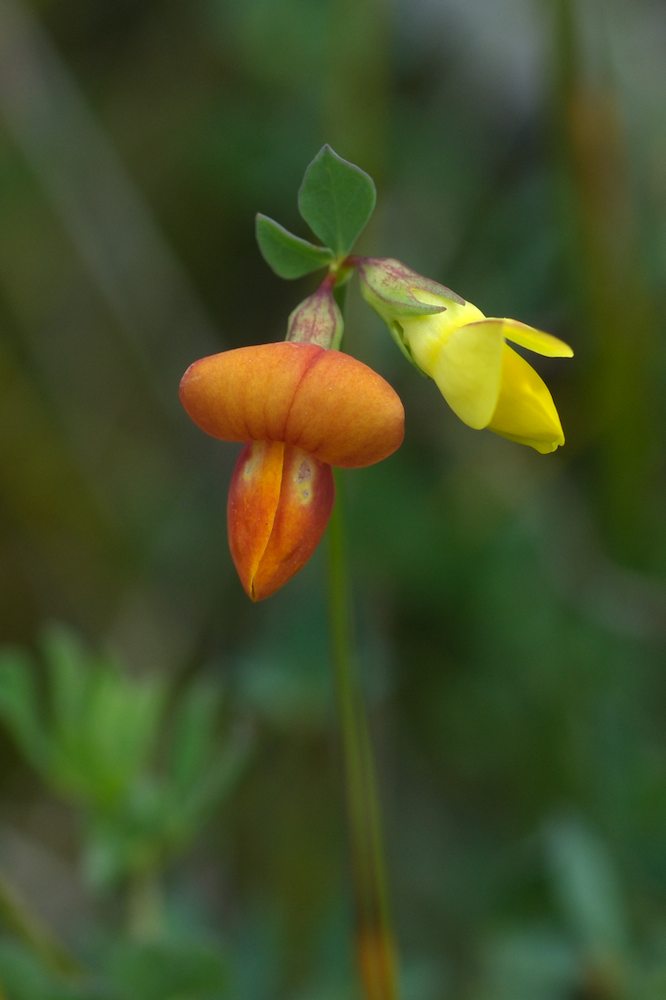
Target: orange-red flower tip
[
  {"x": 324, "y": 402},
  {"x": 280, "y": 500}
]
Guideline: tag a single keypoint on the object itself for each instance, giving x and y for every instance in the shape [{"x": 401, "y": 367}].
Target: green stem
[{"x": 374, "y": 938}]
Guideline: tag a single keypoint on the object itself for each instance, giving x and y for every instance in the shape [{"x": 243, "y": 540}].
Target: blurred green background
[{"x": 171, "y": 819}]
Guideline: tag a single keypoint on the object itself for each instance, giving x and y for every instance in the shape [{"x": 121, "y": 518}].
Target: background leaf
[
  {"x": 336, "y": 200},
  {"x": 19, "y": 710},
  {"x": 586, "y": 884}
]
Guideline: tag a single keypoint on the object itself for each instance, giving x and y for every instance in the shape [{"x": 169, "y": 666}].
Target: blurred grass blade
[
  {"x": 18, "y": 919},
  {"x": 106, "y": 218}
]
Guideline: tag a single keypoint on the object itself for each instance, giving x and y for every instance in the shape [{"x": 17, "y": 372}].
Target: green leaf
[
  {"x": 202, "y": 768},
  {"x": 214, "y": 785},
  {"x": 192, "y": 742},
  {"x": 288, "y": 255},
  {"x": 586, "y": 882},
  {"x": 172, "y": 967},
  {"x": 69, "y": 671},
  {"x": 19, "y": 706},
  {"x": 336, "y": 200}
]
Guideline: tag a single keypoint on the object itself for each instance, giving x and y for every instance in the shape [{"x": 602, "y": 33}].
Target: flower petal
[
  {"x": 344, "y": 413},
  {"x": 245, "y": 394},
  {"x": 280, "y": 500},
  {"x": 534, "y": 340},
  {"x": 468, "y": 371},
  {"x": 525, "y": 409},
  {"x": 325, "y": 402}
]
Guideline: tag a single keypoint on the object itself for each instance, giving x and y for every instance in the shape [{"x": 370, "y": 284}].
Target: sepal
[{"x": 392, "y": 288}]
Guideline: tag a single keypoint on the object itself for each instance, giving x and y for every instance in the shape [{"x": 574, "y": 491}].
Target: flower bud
[{"x": 317, "y": 320}]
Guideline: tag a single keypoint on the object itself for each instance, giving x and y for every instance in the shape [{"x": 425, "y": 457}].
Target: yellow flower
[{"x": 484, "y": 380}]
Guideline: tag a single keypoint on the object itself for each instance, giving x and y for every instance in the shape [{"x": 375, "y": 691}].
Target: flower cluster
[{"x": 302, "y": 406}]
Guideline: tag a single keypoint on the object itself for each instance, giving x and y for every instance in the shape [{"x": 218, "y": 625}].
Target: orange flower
[{"x": 299, "y": 409}]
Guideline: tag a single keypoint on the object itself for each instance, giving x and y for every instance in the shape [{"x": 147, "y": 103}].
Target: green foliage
[
  {"x": 526, "y": 964},
  {"x": 23, "y": 977},
  {"x": 172, "y": 969},
  {"x": 19, "y": 707},
  {"x": 99, "y": 745},
  {"x": 146, "y": 764},
  {"x": 336, "y": 199},
  {"x": 288, "y": 255}
]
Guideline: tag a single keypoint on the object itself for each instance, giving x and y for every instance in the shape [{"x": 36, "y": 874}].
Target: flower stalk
[
  {"x": 34, "y": 933},
  {"x": 374, "y": 940},
  {"x": 302, "y": 407}
]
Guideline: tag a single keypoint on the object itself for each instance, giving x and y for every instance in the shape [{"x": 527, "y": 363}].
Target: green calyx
[{"x": 392, "y": 288}]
